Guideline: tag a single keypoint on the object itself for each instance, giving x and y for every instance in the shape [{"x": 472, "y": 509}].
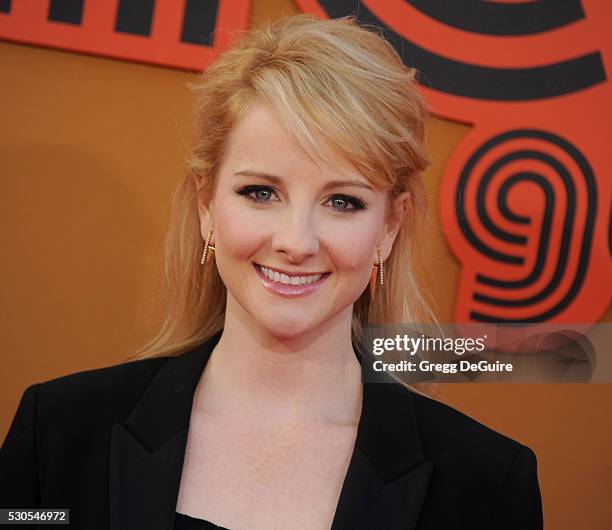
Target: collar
[{"x": 387, "y": 478}]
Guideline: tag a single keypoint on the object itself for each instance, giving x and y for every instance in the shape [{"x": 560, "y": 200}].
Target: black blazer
[{"x": 109, "y": 444}]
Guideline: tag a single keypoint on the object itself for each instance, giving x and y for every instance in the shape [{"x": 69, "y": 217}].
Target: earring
[
  {"x": 207, "y": 247},
  {"x": 381, "y": 276}
]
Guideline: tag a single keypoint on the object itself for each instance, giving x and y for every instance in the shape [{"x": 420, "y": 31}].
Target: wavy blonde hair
[{"x": 330, "y": 79}]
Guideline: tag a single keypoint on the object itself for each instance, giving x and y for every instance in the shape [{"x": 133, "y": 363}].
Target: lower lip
[{"x": 290, "y": 290}]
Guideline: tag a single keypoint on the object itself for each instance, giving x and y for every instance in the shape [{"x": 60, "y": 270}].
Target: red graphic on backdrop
[
  {"x": 177, "y": 33},
  {"x": 525, "y": 199}
]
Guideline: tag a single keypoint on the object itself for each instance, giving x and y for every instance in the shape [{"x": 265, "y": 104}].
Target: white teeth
[{"x": 288, "y": 280}]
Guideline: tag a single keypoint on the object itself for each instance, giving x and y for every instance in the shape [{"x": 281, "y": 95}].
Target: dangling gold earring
[
  {"x": 207, "y": 247},
  {"x": 381, "y": 276}
]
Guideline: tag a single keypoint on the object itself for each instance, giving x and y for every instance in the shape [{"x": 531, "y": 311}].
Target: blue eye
[
  {"x": 262, "y": 194},
  {"x": 348, "y": 200}
]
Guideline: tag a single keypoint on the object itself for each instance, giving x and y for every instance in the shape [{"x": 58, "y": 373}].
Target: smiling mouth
[
  {"x": 295, "y": 280},
  {"x": 278, "y": 286}
]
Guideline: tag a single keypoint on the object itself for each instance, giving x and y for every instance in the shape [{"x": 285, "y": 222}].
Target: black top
[
  {"x": 185, "y": 522},
  {"x": 109, "y": 444}
]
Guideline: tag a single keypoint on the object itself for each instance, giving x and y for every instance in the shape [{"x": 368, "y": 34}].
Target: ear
[
  {"x": 400, "y": 206},
  {"x": 205, "y": 207}
]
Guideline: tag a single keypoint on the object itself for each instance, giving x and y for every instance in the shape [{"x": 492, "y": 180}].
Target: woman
[{"x": 249, "y": 410}]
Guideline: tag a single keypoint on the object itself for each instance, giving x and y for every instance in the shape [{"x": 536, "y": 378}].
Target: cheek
[
  {"x": 351, "y": 246},
  {"x": 241, "y": 232}
]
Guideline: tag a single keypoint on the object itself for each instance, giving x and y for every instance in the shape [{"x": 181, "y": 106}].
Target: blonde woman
[{"x": 294, "y": 226}]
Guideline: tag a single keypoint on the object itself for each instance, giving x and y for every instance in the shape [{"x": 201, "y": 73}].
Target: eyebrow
[{"x": 328, "y": 185}]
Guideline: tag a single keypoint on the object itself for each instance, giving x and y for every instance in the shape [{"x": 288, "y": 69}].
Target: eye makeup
[{"x": 250, "y": 193}]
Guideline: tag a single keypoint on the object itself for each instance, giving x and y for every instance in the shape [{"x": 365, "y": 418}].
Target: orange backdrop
[{"x": 90, "y": 151}]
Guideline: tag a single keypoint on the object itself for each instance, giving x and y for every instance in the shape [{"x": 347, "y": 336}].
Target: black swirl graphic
[
  {"x": 481, "y": 82},
  {"x": 492, "y": 18},
  {"x": 568, "y": 229}
]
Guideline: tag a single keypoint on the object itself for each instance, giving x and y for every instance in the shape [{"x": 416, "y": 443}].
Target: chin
[{"x": 284, "y": 329}]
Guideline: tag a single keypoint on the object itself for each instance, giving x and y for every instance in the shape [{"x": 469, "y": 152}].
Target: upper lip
[{"x": 281, "y": 271}]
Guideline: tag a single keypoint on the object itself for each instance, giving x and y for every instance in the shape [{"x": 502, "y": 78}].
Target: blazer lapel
[
  {"x": 388, "y": 477},
  {"x": 385, "y": 485},
  {"x": 148, "y": 449}
]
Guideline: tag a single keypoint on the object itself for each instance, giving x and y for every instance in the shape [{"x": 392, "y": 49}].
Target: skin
[
  {"x": 296, "y": 350},
  {"x": 280, "y": 398}
]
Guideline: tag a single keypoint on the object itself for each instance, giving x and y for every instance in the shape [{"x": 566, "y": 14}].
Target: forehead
[{"x": 259, "y": 142}]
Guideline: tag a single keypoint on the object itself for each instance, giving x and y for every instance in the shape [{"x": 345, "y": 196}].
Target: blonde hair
[{"x": 332, "y": 79}]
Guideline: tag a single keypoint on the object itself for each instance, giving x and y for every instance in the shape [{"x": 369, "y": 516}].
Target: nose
[{"x": 296, "y": 237}]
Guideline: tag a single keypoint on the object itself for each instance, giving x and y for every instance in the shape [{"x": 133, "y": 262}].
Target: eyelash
[{"x": 358, "y": 204}]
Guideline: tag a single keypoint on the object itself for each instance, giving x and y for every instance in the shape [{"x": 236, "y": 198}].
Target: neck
[{"x": 309, "y": 377}]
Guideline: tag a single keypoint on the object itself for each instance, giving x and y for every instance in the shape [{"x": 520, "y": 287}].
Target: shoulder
[
  {"x": 454, "y": 438},
  {"x": 442, "y": 425},
  {"x": 498, "y": 475},
  {"x": 95, "y": 395}
]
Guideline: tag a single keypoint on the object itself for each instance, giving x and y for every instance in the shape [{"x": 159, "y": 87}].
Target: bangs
[{"x": 327, "y": 115}]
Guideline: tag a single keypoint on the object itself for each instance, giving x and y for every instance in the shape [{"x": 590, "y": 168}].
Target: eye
[
  {"x": 344, "y": 201},
  {"x": 262, "y": 193}
]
